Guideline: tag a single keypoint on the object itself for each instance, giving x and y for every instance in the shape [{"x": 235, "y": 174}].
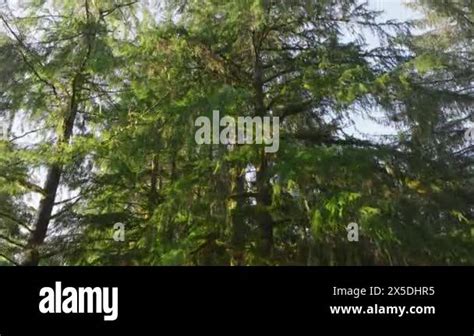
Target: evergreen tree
[{"x": 112, "y": 90}]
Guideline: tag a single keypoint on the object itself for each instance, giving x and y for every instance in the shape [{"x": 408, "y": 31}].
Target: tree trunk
[
  {"x": 237, "y": 217},
  {"x": 53, "y": 178},
  {"x": 38, "y": 235},
  {"x": 264, "y": 219}
]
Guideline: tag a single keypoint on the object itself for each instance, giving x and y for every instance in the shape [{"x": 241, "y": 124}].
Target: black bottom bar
[{"x": 223, "y": 300}]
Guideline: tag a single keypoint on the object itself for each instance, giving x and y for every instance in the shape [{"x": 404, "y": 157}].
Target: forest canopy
[{"x": 99, "y": 163}]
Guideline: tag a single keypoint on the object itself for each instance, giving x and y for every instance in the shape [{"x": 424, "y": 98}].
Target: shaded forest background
[{"x": 106, "y": 93}]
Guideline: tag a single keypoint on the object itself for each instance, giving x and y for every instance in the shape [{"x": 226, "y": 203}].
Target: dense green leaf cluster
[{"x": 106, "y": 93}]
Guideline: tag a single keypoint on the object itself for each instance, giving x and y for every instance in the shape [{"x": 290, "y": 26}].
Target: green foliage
[{"x": 134, "y": 85}]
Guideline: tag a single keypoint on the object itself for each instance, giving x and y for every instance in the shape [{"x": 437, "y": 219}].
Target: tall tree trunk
[
  {"x": 38, "y": 235},
  {"x": 51, "y": 186},
  {"x": 153, "y": 202},
  {"x": 237, "y": 217},
  {"x": 264, "y": 219}
]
